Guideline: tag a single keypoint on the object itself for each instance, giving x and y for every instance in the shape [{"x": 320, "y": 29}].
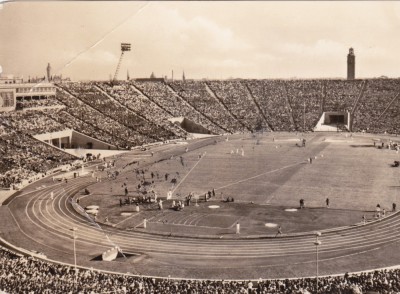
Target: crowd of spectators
[
  {"x": 378, "y": 110},
  {"x": 341, "y": 95},
  {"x": 79, "y": 125},
  {"x": 32, "y": 121},
  {"x": 271, "y": 96},
  {"x": 23, "y": 157},
  {"x": 285, "y": 102},
  {"x": 127, "y": 95},
  {"x": 237, "y": 98},
  {"x": 196, "y": 94},
  {"x": 166, "y": 98},
  {"x": 98, "y": 120},
  {"x": 141, "y": 128},
  {"x": 21, "y": 274},
  {"x": 391, "y": 118},
  {"x": 305, "y": 100},
  {"x": 239, "y": 105},
  {"x": 41, "y": 102},
  {"x": 135, "y": 113}
]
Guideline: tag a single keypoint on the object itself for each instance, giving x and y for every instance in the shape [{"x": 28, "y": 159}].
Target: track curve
[{"x": 41, "y": 219}]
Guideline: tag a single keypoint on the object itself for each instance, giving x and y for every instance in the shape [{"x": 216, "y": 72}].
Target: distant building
[
  {"x": 14, "y": 90},
  {"x": 10, "y": 79},
  {"x": 59, "y": 79},
  {"x": 351, "y": 65},
  {"x": 152, "y": 78}
]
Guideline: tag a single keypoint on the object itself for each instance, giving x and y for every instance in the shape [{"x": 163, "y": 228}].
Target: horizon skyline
[{"x": 206, "y": 40}]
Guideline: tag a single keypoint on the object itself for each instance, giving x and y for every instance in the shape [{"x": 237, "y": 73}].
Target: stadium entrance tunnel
[
  {"x": 332, "y": 121},
  {"x": 190, "y": 126}
]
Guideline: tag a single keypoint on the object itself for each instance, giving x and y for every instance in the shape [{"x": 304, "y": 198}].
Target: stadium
[{"x": 166, "y": 185}]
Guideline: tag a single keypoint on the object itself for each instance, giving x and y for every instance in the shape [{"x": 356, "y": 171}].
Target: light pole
[
  {"x": 304, "y": 116},
  {"x": 317, "y": 243},
  {"x": 74, "y": 229}
]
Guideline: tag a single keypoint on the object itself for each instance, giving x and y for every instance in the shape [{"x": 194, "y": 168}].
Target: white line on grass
[
  {"x": 259, "y": 175},
  {"x": 188, "y": 174},
  {"x": 129, "y": 217}
]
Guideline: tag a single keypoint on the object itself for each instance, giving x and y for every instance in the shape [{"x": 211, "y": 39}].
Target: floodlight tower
[{"x": 124, "y": 47}]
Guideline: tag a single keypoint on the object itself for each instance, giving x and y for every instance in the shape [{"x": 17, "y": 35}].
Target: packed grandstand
[{"x": 136, "y": 113}]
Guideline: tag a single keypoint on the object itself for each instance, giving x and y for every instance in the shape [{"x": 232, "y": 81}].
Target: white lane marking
[
  {"x": 259, "y": 175},
  {"x": 183, "y": 179}
]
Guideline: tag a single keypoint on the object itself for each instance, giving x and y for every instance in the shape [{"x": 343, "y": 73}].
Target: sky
[{"x": 214, "y": 40}]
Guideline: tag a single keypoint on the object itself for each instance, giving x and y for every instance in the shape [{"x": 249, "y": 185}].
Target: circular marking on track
[
  {"x": 271, "y": 225},
  {"x": 126, "y": 213},
  {"x": 213, "y": 206},
  {"x": 291, "y": 209}
]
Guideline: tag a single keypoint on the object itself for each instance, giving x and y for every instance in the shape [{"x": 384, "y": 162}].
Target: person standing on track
[
  {"x": 302, "y": 203},
  {"x": 279, "y": 233}
]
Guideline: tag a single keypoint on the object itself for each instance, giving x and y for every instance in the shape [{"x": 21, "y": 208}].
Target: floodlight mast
[{"x": 124, "y": 47}]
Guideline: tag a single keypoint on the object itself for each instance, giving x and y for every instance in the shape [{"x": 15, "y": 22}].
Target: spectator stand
[
  {"x": 197, "y": 94},
  {"x": 378, "y": 109},
  {"x": 305, "y": 98},
  {"x": 271, "y": 96},
  {"x": 165, "y": 97},
  {"x": 142, "y": 106},
  {"x": 237, "y": 99}
]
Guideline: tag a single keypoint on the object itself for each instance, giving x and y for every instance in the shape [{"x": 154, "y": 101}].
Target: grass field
[{"x": 264, "y": 173}]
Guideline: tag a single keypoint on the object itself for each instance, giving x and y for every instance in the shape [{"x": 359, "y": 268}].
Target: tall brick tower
[{"x": 351, "y": 65}]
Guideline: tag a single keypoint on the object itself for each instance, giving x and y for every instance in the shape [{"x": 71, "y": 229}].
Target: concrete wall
[
  {"x": 61, "y": 139},
  {"x": 189, "y": 126},
  {"x": 73, "y": 139},
  {"x": 82, "y": 141}
]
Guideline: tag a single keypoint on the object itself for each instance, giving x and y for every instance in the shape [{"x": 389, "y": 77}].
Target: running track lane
[{"x": 41, "y": 219}]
